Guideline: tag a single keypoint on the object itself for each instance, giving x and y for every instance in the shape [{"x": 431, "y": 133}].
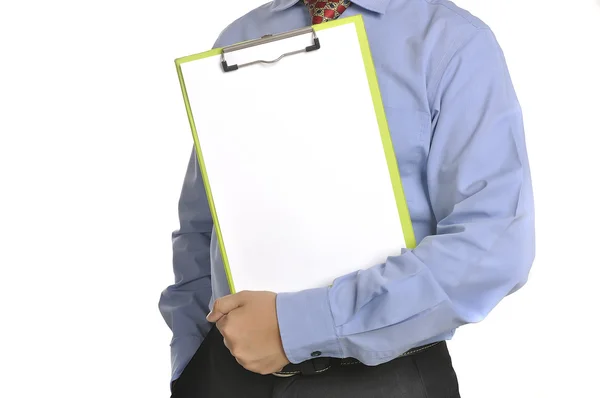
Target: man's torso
[{"x": 411, "y": 42}]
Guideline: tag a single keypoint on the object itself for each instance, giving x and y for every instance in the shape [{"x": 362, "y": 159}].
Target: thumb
[{"x": 224, "y": 306}]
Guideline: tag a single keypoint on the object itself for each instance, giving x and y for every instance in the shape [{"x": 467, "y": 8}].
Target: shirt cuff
[
  {"x": 306, "y": 325},
  {"x": 182, "y": 350}
]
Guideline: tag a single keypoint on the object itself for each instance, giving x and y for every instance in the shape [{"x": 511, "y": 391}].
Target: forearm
[
  {"x": 184, "y": 304},
  {"x": 377, "y": 314}
]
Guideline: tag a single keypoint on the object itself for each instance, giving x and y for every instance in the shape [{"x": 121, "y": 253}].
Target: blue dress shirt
[{"x": 457, "y": 130}]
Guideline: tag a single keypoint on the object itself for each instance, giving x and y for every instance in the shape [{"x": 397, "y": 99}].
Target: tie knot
[{"x": 323, "y": 11}]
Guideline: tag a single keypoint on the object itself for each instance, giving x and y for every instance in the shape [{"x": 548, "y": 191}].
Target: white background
[{"x": 94, "y": 142}]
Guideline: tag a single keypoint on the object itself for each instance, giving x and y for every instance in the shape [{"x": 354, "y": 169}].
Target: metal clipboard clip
[{"x": 268, "y": 39}]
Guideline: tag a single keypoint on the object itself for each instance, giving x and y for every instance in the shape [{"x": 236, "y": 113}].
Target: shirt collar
[{"x": 378, "y": 6}]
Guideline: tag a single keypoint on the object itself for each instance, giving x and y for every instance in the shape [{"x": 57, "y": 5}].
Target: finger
[
  {"x": 227, "y": 344},
  {"x": 243, "y": 364},
  {"x": 220, "y": 324},
  {"x": 253, "y": 366},
  {"x": 224, "y": 305},
  {"x": 214, "y": 316}
]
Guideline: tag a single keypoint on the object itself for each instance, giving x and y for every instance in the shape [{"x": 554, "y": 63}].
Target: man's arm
[
  {"x": 480, "y": 192},
  {"x": 184, "y": 305}
]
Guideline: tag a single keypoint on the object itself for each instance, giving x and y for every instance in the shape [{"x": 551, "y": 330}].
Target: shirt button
[{"x": 316, "y": 354}]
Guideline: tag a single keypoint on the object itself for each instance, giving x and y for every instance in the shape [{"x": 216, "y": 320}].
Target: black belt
[{"x": 320, "y": 365}]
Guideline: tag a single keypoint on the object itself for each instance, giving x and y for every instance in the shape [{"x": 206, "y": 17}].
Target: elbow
[
  {"x": 523, "y": 265},
  {"x": 514, "y": 251},
  {"x": 503, "y": 271},
  {"x": 524, "y": 248}
]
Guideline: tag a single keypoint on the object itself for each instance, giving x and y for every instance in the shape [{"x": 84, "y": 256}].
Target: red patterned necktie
[{"x": 323, "y": 11}]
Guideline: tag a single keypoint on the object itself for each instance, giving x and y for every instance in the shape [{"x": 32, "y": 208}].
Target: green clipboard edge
[{"x": 390, "y": 155}]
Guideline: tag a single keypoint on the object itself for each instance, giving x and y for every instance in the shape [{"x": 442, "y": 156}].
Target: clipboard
[{"x": 296, "y": 157}]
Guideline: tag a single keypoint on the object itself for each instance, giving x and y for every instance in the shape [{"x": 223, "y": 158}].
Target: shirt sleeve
[
  {"x": 184, "y": 305},
  {"x": 480, "y": 192}
]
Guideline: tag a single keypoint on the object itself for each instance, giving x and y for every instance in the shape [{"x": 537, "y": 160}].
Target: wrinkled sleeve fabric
[
  {"x": 184, "y": 305},
  {"x": 480, "y": 192}
]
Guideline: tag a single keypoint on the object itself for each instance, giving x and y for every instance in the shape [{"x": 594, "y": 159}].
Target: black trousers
[{"x": 214, "y": 373}]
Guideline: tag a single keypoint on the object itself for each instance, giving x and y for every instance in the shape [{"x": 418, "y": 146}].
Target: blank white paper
[{"x": 295, "y": 162}]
